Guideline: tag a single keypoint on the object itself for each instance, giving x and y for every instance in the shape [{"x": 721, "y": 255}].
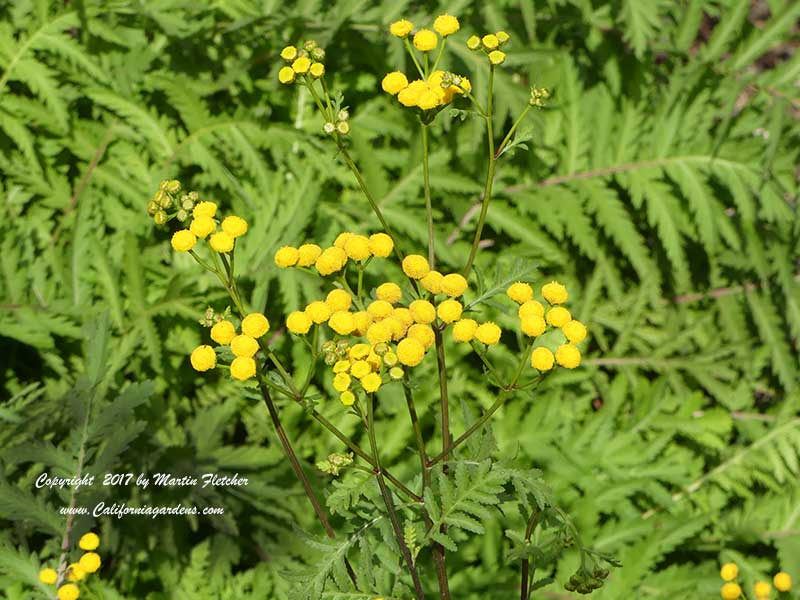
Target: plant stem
[
  {"x": 439, "y": 551},
  {"x": 533, "y": 521},
  {"x": 414, "y": 57},
  {"x": 387, "y": 499},
  {"x": 426, "y": 182},
  {"x": 511, "y": 131},
  {"x": 439, "y": 56},
  {"x": 412, "y": 413}
]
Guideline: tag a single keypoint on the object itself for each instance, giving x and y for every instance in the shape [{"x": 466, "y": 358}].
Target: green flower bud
[
  {"x": 174, "y": 186},
  {"x": 318, "y": 54},
  {"x": 152, "y": 207},
  {"x": 160, "y": 217},
  {"x": 182, "y": 215},
  {"x": 309, "y": 45}
]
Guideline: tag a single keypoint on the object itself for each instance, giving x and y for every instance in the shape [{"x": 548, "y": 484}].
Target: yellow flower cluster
[
  {"x": 490, "y": 44},
  {"x": 243, "y": 345},
  {"x": 426, "y": 40},
  {"x": 368, "y": 365},
  {"x": 348, "y": 246},
  {"x": 307, "y": 61},
  {"x": 534, "y": 320},
  {"x": 762, "y": 590},
  {"x": 89, "y": 562},
  {"x": 204, "y": 225}
]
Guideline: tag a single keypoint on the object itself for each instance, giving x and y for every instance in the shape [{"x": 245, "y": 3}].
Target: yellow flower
[
  {"x": 490, "y": 41},
  {"x": 307, "y": 254},
  {"x": 450, "y": 310},
  {"x": 373, "y": 360},
  {"x": 502, "y": 37},
  {"x": 338, "y": 299},
  {"x": 433, "y": 282},
  {"x": 422, "y": 311},
  {"x": 48, "y": 576},
  {"x": 403, "y": 315},
  {"x": 222, "y": 333},
  {"x": 183, "y": 240},
  {"x": 568, "y": 356},
  {"x": 221, "y": 242},
  {"x": 342, "y": 322},
  {"x": 520, "y": 292},
  {"x": 542, "y": 359},
  {"x": 202, "y": 227},
  {"x": 558, "y": 316},
  {"x": 496, "y": 57},
  {"x": 380, "y": 245},
  {"x": 397, "y": 326},
  {"x": 555, "y": 293},
  {"x": 401, "y": 28},
  {"x": 301, "y": 64},
  {"x": 244, "y": 345},
  {"x": 289, "y": 53},
  {"x": 361, "y": 368},
  {"x": 371, "y": 383},
  {"x": 75, "y": 572},
  {"x": 68, "y": 591},
  {"x": 531, "y": 308},
  {"x": 90, "y": 562},
  {"x": 341, "y": 366},
  {"x": 90, "y": 541},
  {"x": 286, "y": 256},
  {"x": 234, "y": 226},
  {"x": 575, "y": 331},
  {"x": 363, "y": 320},
  {"x": 330, "y": 261},
  {"x": 394, "y": 83},
  {"x": 410, "y": 352},
  {"x": 360, "y": 351},
  {"x": 396, "y": 373},
  {"x": 379, "y": 332},
  {"x": 488, "y": 333},
  {"x": 729, "y": 571},
  {"x": 410, "y": 95},
  {"x": 416, "y": 266},
  {"x": 425, "y": 40},
  {"x": 429, "y": 99},
  {"x": 782, "y": 582},
  {"x": 390, "y": 292},
  {"x": 203, "y": 358},
  {"x": 730, "y": 591},
  {"x": 422, "y": 333},
  {"x": 464, "y": 330},
  {"x": 341, "y": 382},
  {"x": 454, "y": 285},
  {"x": 762, "y": 590},
  {"x": 347, "y": 398},
  {"x": 298, "y": 322},
  {"x": 379, "y": 309},
  {"x": 255, "y": 325},
  {"x": 204, "y": 209},
  {"x": 286, "y": 75},
  {"x": 243, "y": 368},
  {"x": 318, "y": 311},
  {"x": 357, "y": 247},
  {"x": 342, "y": 238},
  {"x": 533, "y": 325},
  {"x": 317, "y": 69},
  {"x": 446, "y": 25},
  {"x": 473, "y": 42}
]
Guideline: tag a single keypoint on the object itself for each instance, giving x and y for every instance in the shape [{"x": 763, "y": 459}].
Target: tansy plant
[
  {"x": 67, "y": 577},
  {"x": 762, "y": 590},
  {"x": 380, "y": 326}
]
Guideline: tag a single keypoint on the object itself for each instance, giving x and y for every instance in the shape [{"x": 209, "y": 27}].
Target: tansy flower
[
  {"x": 449, "y": 311},
  {"x": 360, "y": 351},
  {"x": 75, "y": 572},
  {"x": 533, "y": 325},
  {"x": 371, "y": 382},
  {"x": 203, "y": 358},
  {"x": 730, "y": 591},
  {"x": 301, "y": 64},
  {"x": 416, "y": 266},
  {"x": 183, "y": 240},
  {"x": 464, "y": 330},
  {"x": 542, "y": 359},
  {"x": 286, "y": 75},
  {"x": 90, "y": 541},
  {"x": 379, "y": 309},
  {"x": 422, "y": 311},
  {"x": 520, "y": 292},
  {"x": 490, "y": 41},
  {"x": 403, "y": 315},
  {"x": 568, "y": 356},
  {"x": 222, "y": 333},
  {"x": 782, "y": 582},
  {"x": 379, "y": 332},
  {"x": 342, "y": 322},
  {"x": 555, "y": 293},
  {"x": 68, "y": 591},
  {"x": 357, "y": 247},
  {"x": 255, "y": 325},
  {"x": 433, "y": 282},
  {"x": 360, "y": 368},
  {"x": 317, "y": 69},
  {"x": 454, "y": 285},
  {"x": 318, "y": 312},
  {"x": 298, "y": 322},
  {"x": 531, "y": 308},
  {"x": 48, "y": 576},
  {"x": 307, "y": 254},
  {"x": 234, "y": 226},
  {"x": 341, "y": 366},
  {"x": 422, "y": 333},
  {"x": 289, "y": 53},
  {"x": 243, "y": 368},
  {"x": 330, "y": 261},
  {"x": 488, "y": 333},
  {"x": 244, "y": 345},
  {"x": 341, "y": 382},
  {"x": 286, "y": 256},
  {"x": 429, "y": 98},
  {"x": 575, "y": 331},
  {"x": 394, "y": 83},
  {"x": 425, "y": 40},
  {"x": 496, "y": 57},
  {"x": 410, "y": 352},
  {"x": 502, "y": 37},
  {"x": 342, "y": 238},
  {"x": 338, "y": 299},
  {"x": 347, "y": 398},
  {"x": 474, "y": 42},
  {"x": 397, "y": 327},
  {"x": 410, "y": 95},
  {"x": 90, "y": 562},
  {"x": 558, "y": 316},
  {"x": 401, "y": 28},
  {"x": 390, "y": 359},
  {"x": 762, "y": 589},
  {"x": 204, "y": 209},
  {"x": 729, "y": 571},
  {"x": 380, "y": 245},
  {"x": 362, "y": 320},
  {"x": 396, "y": 373},
  {"x": 446, "y": 25},
  {"x": 221, "y": 242},
  {"x": 202, "y": 227},
  {"x": 390, "y": 292}
]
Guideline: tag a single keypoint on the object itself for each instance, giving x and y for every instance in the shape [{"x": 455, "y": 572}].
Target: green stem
[
  {"x": 412, "y": 413},
  {"x": 439, "y": 56},
  {"x": 533, "y": 521},
  {"x": 511, "y": 131},
  {"x": 427, "y": 188},
  {"x": 410, "y": 49}
]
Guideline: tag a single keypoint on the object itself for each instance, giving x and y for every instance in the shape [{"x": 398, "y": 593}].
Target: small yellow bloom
[
  {"x": 357, "y": 247},
  {"x": 409, "y": 96},
  {"x": 286, "y": 256},
  {"x": 555, "y": 293},
  {"x": 394, "y": 83},
  {"x": 762, "y": 590},
  {"x": 401, "y": 28},
  {"x": 317, "y": 70},
  {"x": 307, "y": 254},
  {"x": 520, "y": 292},
  {"x": 531, "y": 308},
  {"x": 341, "y": 366},
  {"x": 502, "y": 37},
  {"x": 243, "y": 368},
  {"x": 416, "y": 266},
  {"x": 338, "y": 299},
  {"x": 428, "y": 99},
  {"x": 379, "y": 309},
  {"x": 730, "y": 591},
  {"x": 542, "y": 359},
  {"x": 330, "y": 261},
  {"x": 379, "y": 332},
  {"x": 318, "y": 311},
  {"x": 558, "y": 316},
  {"x": 68, "y": 591},
  {"x": 371, "y": 382},
  {"x": 244, "y": 345},
  {"x": 202, "y": 227},
  {"x": 361, "y": 368},
  {"x": 90, "y": 541},
  {"x": 183, "y": 240},
  {"x": 204, "y": 209},
  {"x": 203, "y": 358},
  {"x": 298, "y": 322},
  {"x": 286, "y": 75},
  {"x": 464, "y": 330},
  {"x": 390, "y": 292},
  {"x": 425, "y": 40},
  {"x": 255, "y": 325},
  {"x": 575, "y": 331},
  {"x": 423, "y": 334},
  {"x": 533, "y": 326},
  {"x": 782, "y": 582},
  {"x": 221, "y": 242},
  {"x": 568, "y": 356},
  {"x": 729, "y": 571},
  {"x": 454, "y": 285},
  {"x": 75, "y": 572},
  {"x": 360, "y": 351},
  {"x": 380, "y": 245},
  {"x": 48, "y": 576},
  {"x": 433, "y": 282},
  {"x": 234, "y": 226},
  {"x": 474, "y": 42},
  {"x": 347, "y": 398},
  {"x": 374, "y": 360},
  {"x": 403, "y": 315},
  {"x": 342, "y": 238},
  {"x": 422, "y": 311},
  {"x": 341, "y": 382},
  {"x": 496, "y": 57},
  {"x": 363, "y": 320},
  {"x": 488, "y": 333},
  {"x": 342, "y": 322},
  {"x": 289, "y": 53},
  {"x": 222, "y": 333},
  {"x": 449, "y": 310},
  {"x": 90, "y": 562},
  {"x": 301, "y": 65},
  {"x": 446, "y": 25},
  {"x": 396, "y": 373},
  {"x": 410, "y": 352},
  {"x": 490, "y": 41}
]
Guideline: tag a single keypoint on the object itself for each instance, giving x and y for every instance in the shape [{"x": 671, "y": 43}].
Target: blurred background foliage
[{"x": 660, "y": 185}]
